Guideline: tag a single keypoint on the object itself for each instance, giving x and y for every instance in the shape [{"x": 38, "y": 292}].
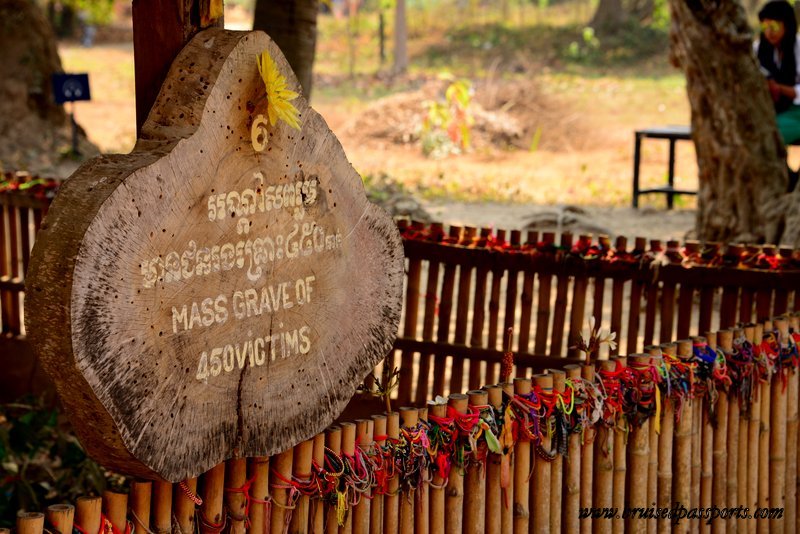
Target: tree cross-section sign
[{"x": 220, "y": 291}]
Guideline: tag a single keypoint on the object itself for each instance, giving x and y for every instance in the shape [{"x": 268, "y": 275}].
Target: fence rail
[
  {"x": 705, "y": 423},
  {"x": 465, "y": 287}
]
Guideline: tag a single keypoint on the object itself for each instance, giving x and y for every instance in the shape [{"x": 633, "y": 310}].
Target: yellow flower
[{"x": 278, "y": 96}]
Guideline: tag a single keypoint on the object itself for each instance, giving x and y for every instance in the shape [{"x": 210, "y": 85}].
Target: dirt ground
[{"x": 539, "y": 144}]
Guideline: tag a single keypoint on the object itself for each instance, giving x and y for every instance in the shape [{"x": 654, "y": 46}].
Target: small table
[{"x": 673, "y": 134}]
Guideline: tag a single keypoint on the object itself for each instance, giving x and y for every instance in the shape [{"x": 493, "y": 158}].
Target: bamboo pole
[
  {"x": 507, "y": 513},
  {"x": 301, "y": 468},
  {"x": 30, "y": 523},
  {"x": 391, "y": 502},
  {"x": 362, "y": 511},
  {"x": 88, "y": 514},
  {"x": 604, "y": 468},
  {"x": 542, "y": 474},
  {"x": 454, "y": 495},
  {"x": 620, "y": 467},
  {"x": 162, "y": 507},
  {"x": 409, "y": 418},
  {"x": 475, "y": 478},
  {"x": 317, "y": 519},
  {"x": 436, "y": 498},
  {"x": 587, "y": 462},
  {"x": 140, "y": 497},
  {"x": 376, "y": 510},
  {"x": 753, "y": 445},
  {"x": 235, "y": 497},
  {"x": 281, "y": 512},
  {"x": 61, "y": 517},
  {"x": 115, "y": 508},
  {"x": 682, "y": 481},
  {"x": 706, "y": 447},
  {"x": 654, "y": 351},
  {"x": 184, "y": 504},
  {"x": 211, "y": 517},
  {"x": 742, "y": 454},
  {"x": 665, "y": 440},
  {"x": 348, "y": 449},
  {"x": 333, "y": 438},
  {"x": 522, "y": 467},
  {"x": 494, "y": 496},
  {"x": 260, "y": 507},
  {"x": 725, "y": 340},
  {"x": 421, "y": 503},
  {"x": 764, "y": 439},
  {"x": 792, "y": 439},
  {"x": 777, "y": 450},
  {"x": 639, "y": 460},
  {"x": 572, "y": 481},
  {"x": 557, "y": 465}
]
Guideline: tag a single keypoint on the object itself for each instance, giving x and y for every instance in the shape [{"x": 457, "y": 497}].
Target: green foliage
[
  {"x": 41, "y": 462},
  {"x": 447, "y": 125},
  {"x": 97, "y": 11},
  {"x": 586, "y": 48}
]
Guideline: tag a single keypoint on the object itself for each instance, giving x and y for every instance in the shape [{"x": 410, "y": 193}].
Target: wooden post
[
  {"x": 604, "y": 472},
  {"x": 88, "y": 513},
  {"x": 333, "y": 439},
  {"x": 587, "y": 464},
  {"x": 572, "y": 482},
  {"x": 140, "y": 505},
  {"x": 557, "y": 465},
  {"x": 259, "y": 495},
  {"x": 211, "y": 518},
  {"x": 436, "y": 499},
  {"x": 409, "y": 417},
  {"x": 61, "y": 517},
  {"x": 682, "y": 482},
  {"x": 376, "y": 510},
  {"x": 348, "y": 449},
  {"x": 665, "y": 452},
  {"x": 540, "y": 498},
  {"x": 301, "y": 466},
  {"x": 160, "y": 30},
  {"x": 115, "y": 508},
  {"x": 182, "y": 502},
  {"x": 475, "y": 483},
  {"x": 494, "y": 493},
  {"x": 454, "y": 494},
  {"x": 281, "y": 511},
  {"x": 777, "y": 450},
  {"x": 30, "y": 523},
  {"x": 391, "y": 502},
  {"x": 362, "y": 511},
  {"x": 639, "y": 459},
  {"x": 522, "y": 468}
]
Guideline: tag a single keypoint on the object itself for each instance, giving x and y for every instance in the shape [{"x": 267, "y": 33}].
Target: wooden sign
[{"x": 220, "y": 291}]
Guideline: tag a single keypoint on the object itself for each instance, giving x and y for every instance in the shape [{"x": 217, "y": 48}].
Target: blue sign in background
[{"x": 71, "y": 87}]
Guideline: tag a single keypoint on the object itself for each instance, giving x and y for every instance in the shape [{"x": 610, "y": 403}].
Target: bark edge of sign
[{"x": 72, "y": 344}]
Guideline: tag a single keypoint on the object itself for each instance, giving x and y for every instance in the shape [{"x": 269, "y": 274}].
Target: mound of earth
[
  {"x": 35, "y": 131},
  {"x": 507, "y": 114}
]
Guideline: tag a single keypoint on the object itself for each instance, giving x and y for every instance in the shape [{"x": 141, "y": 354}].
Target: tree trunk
[
  {"x": 400, "y": 38},
  {"x": 292, "y": 24},
  {"x": 609, "y": 16},
  {"x": 740, "y": 155}
]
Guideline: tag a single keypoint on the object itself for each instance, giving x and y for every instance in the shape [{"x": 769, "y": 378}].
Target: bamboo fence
[{"x": 699, "y": 429}]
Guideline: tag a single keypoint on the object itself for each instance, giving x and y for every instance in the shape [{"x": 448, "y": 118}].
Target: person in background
[{"x": 778, "y": 51}]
